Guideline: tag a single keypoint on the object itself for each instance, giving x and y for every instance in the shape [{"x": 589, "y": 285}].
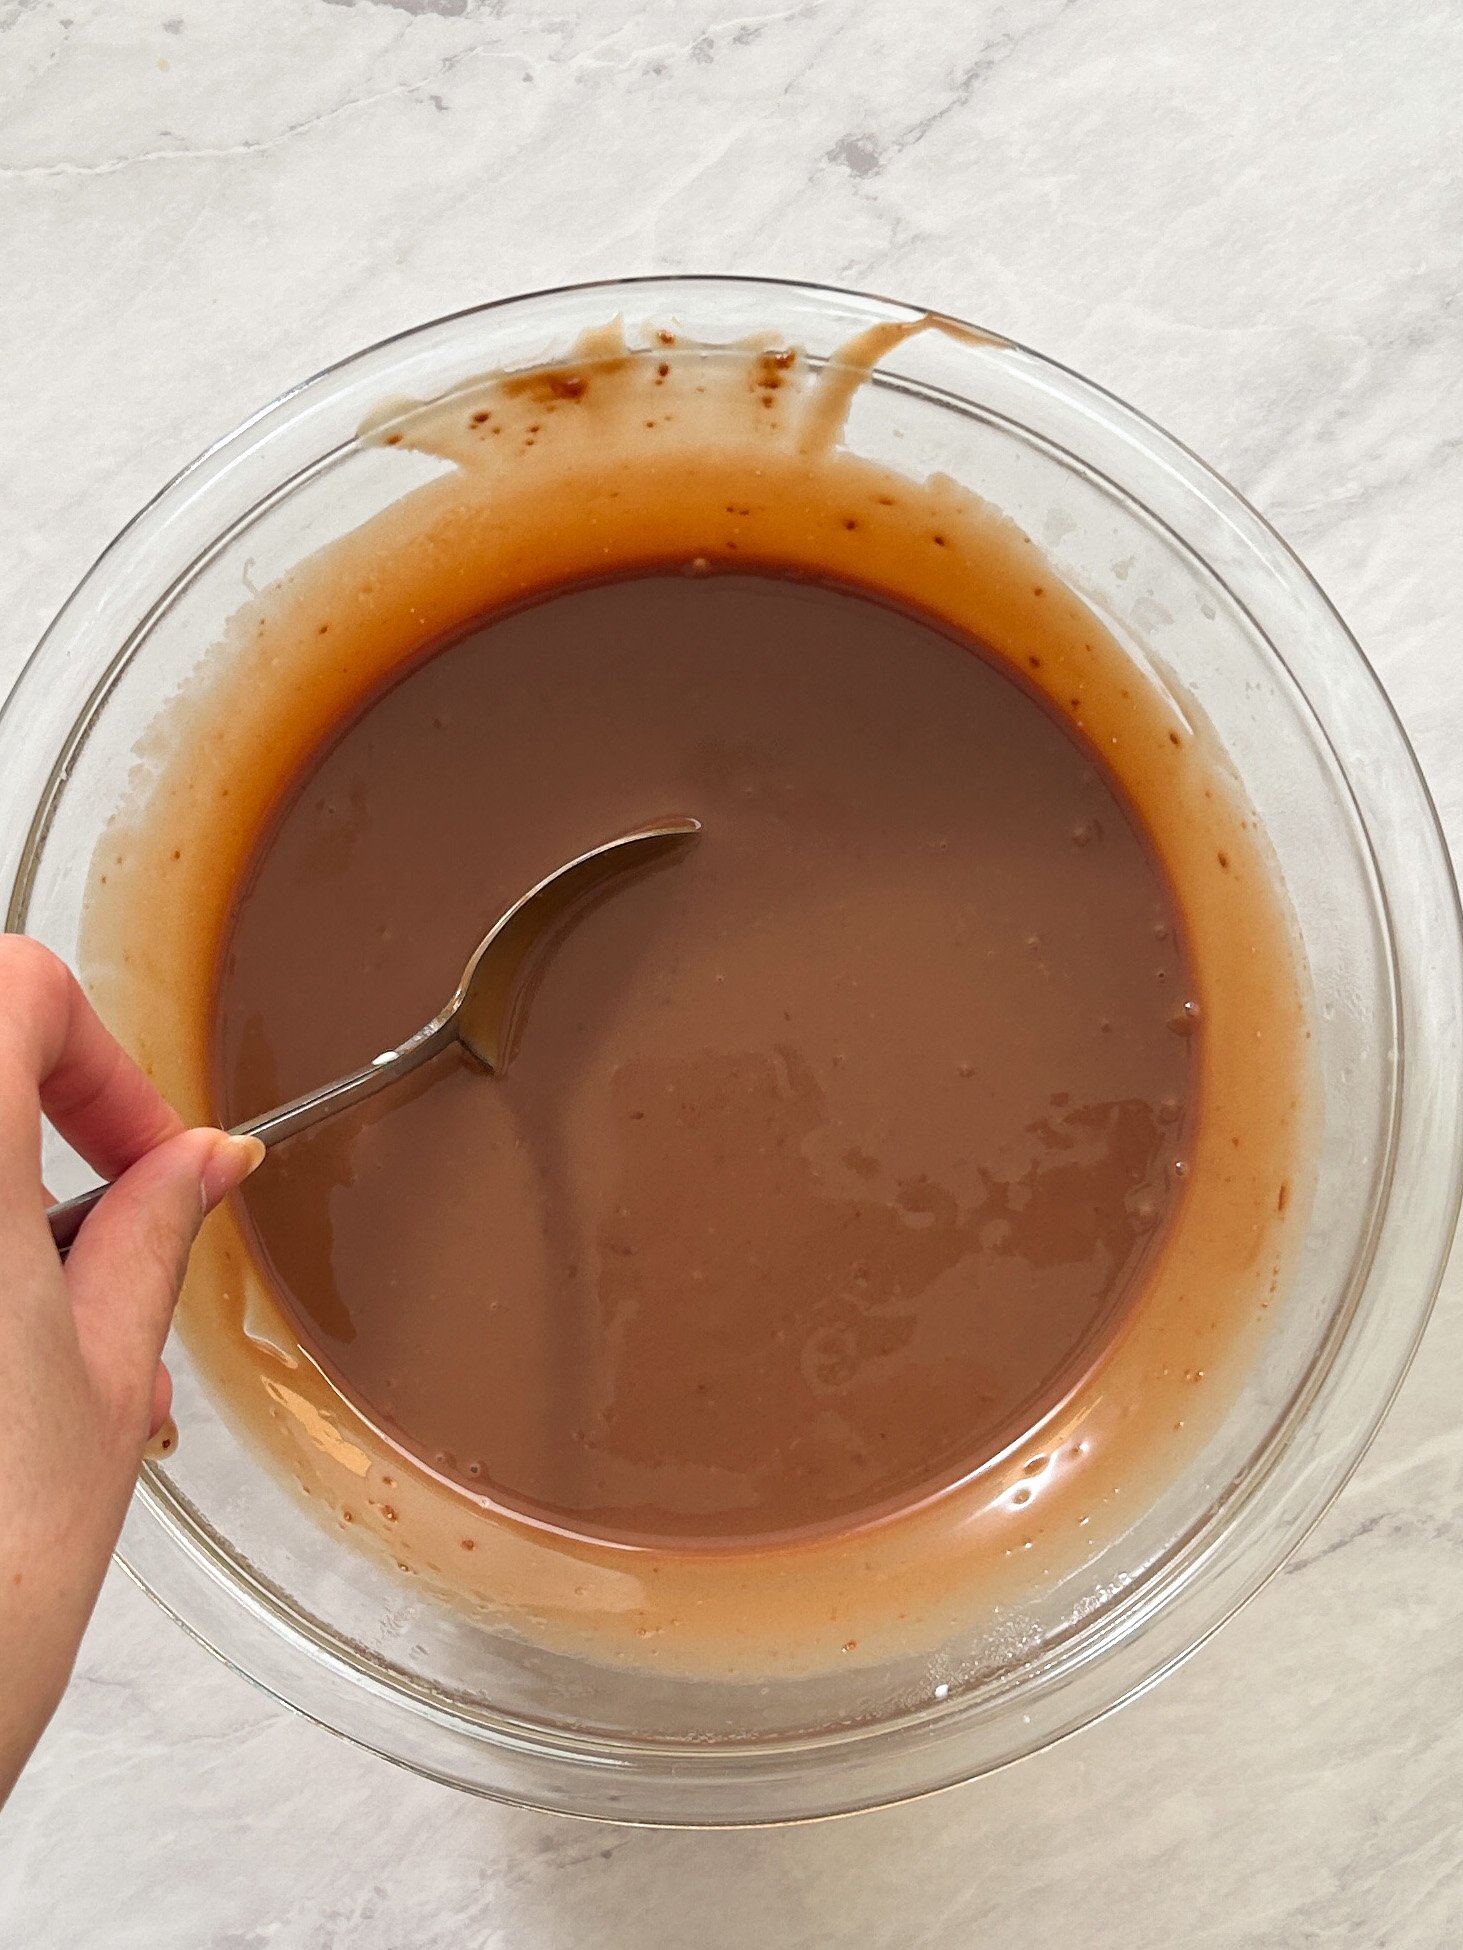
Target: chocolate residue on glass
[{"x": 703, "y": 490}]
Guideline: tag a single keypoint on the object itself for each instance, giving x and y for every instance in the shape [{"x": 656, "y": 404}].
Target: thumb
[{"x": 127, "y": 1264}]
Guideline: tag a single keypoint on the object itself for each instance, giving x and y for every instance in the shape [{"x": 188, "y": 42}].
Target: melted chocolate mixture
[{"x": 831, "y": 1153}]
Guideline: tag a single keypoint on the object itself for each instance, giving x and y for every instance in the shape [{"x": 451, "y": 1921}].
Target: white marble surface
[{"x": 1248, "y": 219}]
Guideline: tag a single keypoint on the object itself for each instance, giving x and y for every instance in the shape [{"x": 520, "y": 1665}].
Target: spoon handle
[{"x": 292, "y": 1118}]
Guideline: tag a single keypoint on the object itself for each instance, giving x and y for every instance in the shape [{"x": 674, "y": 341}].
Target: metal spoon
[{"x": 481, "y": 1014}]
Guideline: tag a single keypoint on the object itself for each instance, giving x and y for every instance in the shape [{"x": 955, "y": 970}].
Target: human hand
[{"x": 82, "y": 1386}]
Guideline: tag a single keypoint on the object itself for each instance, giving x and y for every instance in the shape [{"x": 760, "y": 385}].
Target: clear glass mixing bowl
[{"x": 1148, "y": 535}]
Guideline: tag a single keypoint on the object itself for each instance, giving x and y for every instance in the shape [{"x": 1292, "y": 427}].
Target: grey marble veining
[{"x": 1249, "y": 220}]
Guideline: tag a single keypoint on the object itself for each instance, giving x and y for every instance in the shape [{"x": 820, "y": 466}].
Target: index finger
[{"x": 53, "y": 1044}]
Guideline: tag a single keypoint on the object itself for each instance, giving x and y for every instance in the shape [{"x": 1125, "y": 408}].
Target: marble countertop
[{"x": 1248, "y": 220}]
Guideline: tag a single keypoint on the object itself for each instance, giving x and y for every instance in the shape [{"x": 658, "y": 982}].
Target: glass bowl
[{"x": 1215, "y": 606}]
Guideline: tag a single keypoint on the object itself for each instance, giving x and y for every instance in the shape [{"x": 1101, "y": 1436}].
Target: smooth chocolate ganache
[
  {"x": 885, "y": 1195},
  {"x": 828, "y": 1157}
]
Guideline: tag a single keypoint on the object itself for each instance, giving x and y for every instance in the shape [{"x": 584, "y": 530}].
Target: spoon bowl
[{"x": 486, "y": 1011}]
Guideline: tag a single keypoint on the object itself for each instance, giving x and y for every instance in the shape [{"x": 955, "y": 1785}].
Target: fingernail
[
  {"x": 228, "y": 1166},
  {"x": 163, "y": 1441}
]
